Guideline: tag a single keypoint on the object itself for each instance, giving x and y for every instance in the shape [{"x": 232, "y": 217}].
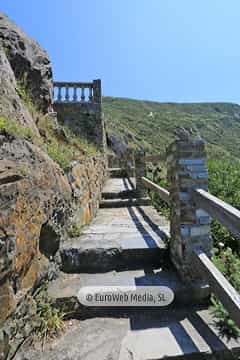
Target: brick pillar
[
  {"x": 190, "y": 226},
  {"x": 140, "y": 171}
]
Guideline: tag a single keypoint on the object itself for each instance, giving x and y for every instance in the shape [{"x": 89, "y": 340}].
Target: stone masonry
[
  {"x": 190, "y": 226},
  {"x": 84, "y": 118}
]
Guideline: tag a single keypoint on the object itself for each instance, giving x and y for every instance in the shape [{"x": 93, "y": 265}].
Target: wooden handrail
[
  {"x": 218, "y": 209},
  {"x": 228, "y": 216},
  {"x": 155, "y": 158},
  {"x": 164, "y": 194},
  {"x": 219, "y": 285}
]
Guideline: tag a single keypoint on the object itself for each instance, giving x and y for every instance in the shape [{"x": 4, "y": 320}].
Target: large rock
[
  {"x": 35, "y": 198},
  {"x": 11, "y": 106},
  {"x": 29, "y": 62}
]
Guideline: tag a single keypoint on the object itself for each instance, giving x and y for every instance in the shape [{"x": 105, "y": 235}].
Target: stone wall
[
  {"x": 86, "y": 179},
  {"x": 83, "y": 119},
  {"x": 37, "y": 203},
  {"x": 33, "y": 228}
]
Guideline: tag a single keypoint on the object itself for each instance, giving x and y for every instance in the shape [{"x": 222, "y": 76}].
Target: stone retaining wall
[
  {"x": 83, "y": 119},
  {"x": 34, "y": 228},
  {"x": 86, "y": 179}
]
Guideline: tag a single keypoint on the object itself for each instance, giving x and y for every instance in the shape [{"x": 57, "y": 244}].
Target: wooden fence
[{"x": 230, "y": 218}]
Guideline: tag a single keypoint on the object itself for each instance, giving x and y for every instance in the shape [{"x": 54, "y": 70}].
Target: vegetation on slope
[
  {"x": 151, "y": 124},
  {"x": 59, "y": 142}
]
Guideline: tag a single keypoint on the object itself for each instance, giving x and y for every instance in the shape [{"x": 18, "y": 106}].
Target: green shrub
[
  {"x": 223, "y": 322},
  {"x": 82, "y": 144},
  {"x": 156, "y": 175},
  {"x": 224, "y": 182},
  {"x": 62, "y": 153},
  {"x": 229, "y": 264},
  {"x": 12, "y": 127},
  {"x": 74, "y": 230},
  {"x": 49, "y": 319}
]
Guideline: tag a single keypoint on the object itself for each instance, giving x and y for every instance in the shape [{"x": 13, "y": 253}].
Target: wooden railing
[
  {"x": 164, "y": 194},
  {"x": 219, "y": 285},
  {"x": 77, "y": 92},
  {"x": 229, "y": 217},
  {"x": 155, "y": 158},
  {"x": 226, "y": 214}
]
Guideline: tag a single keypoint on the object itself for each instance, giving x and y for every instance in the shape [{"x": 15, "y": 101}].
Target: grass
[
  {"x": 152, "y": 125},
  {"x": 12, "y": 127},
  {"x": 62, "y": 150},
  {"x": 50, "y": 319}
]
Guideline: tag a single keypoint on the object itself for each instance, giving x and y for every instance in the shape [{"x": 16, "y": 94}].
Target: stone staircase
[{"x": 126, "y": 245}]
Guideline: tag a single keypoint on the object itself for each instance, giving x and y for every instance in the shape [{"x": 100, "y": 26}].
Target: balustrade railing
[{"x": 77, "y": 92}]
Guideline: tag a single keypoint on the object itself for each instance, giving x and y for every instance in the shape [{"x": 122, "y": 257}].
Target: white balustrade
[{"x": 71, "y": 92}]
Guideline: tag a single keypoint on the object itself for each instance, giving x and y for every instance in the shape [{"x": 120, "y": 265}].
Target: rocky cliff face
[
  {"x": 37, "y": 198},
  {"x": 30, "y": 63},
  {"x": 11, "y": 105}
]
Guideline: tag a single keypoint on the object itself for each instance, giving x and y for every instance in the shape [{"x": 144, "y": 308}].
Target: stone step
[
  {"x": 118, "y": 239},
  {"x": 116, "y": 203},
  {"x": 125, "y": 194},
  {"x": 184, "y": 334},
  {"x": 119, "y": 172},
  {"x": 119, "y": 184},
  {"x": 106, "y": 258},
  {"x": 64, "y": 291}
]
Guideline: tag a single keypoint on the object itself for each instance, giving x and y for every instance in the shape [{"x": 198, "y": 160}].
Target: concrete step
[
  {"x": 106, "y": 258},
  {"x": 116, "y": 203},
  {"x": 64, "y": 291},
  {"x": 186, "y": 334},
  {"x": 118, "y": 239},
  {"x": 119, "y": 172},
  {"x": 125, "y": 194},
  {"x": 120, "y": 184}
]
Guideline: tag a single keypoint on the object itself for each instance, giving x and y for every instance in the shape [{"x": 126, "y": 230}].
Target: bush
[
  {"x": 12, "y": 127},
  {"x": 229, "y": 264},
  {"x": 74, "y": 230},
  {"x": 60, "y": 152},
  {"x": 155, "y": 174},
  {"x": 224, "y": 182}
]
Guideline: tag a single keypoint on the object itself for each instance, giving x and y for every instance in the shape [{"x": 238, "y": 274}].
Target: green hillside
[{"x": 152, "y": 124}]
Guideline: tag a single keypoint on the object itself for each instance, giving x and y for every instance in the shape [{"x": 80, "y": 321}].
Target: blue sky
[{"x": 164, "y": 50}]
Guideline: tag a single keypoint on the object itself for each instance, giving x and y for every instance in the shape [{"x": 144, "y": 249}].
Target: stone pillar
[
  {"x": 97, "y": 91},
  {"x": 140, "y": 171},
  {"x": 189, "y": 225}
]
